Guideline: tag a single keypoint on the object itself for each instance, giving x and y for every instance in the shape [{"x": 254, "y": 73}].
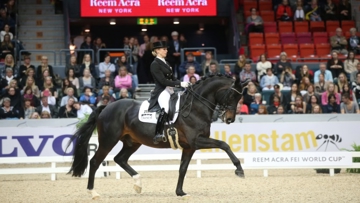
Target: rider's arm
[{"x": 159, "y": 76}]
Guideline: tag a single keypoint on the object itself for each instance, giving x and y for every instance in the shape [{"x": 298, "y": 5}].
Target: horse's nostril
[{"x": 229, "y": 120}]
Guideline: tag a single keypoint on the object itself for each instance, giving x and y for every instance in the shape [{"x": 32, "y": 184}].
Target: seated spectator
[
  {"x": 338, "y": 42},
  {"x": 330, "y": 11},
  {"x": 133, "y": 59},
  {"x": 50, "y": 94},
  {"x": 326, "y": 74},
  {"x": 45, "y": 115},
  {"x": 356, "y": 90},
  {"x": 7, "y": 47},
  {"x": 246, "y": 73},
  {"x": 66, "y": 84},
  {"x": 193, "y": 80},
  {"x": 341, "y": 82},
  {"x": 69, "y": 94},
  {"x": 254, "y": 23},
  {"x": 213, "y": 69},
  {"x": 44, "y": 66},
  {"x": 262, "y": 66},
  {"x": 274, "y": 104},
  {"x": 269, "y": 80},
  {"x": 299, "y": 13},
  {"x": 345, "y": 10},
  {"x": 122, "y": 62},
  {"x": 284, "y": 12},
  {"x": 68, "y": 111},
  {"x": 227, "y": 71},
  {"x": 303, "y": 72},
  {"x": 28, "y": 94},
  {"x": 109, "y": 81},
  {"x": 86, "y": 81},
  {"x": 23, "y": 71},
  {"x": 290, "y": 98},
  {"x": 353, "y": 74},
  {"x": 88, "y": 97},
  {"x": 82, "y": 109},
  {"x": 249, "y": 94},
  {"x": 70, "y": 76},
  {"x": 48, "y": 84},
  {"x": 45, "y": 106},
  {"x": 316, "y": 109},
  {"x": 15, "y": 97},
  {"x": 30, "y": 82},
  {"x": 241, "y": 107},
  {"x": 262, "y": 110},
  {"x": 29, "y": 73},
  {"x": 254, "y": 106},
  {"x": 311, "y": 102},
  {"x": 304, "y": 84},
  {"x": 189, "y": 62},
  {"x": 104, "y": 101},
  {"x": 354, "y": 41},
  {"x": 356, "y": 83},
  {"x": 35, "y": 115},
  {"x": 277, "y": 92},
  {"x": 335, "y": 65},
  {"x": 282, "y": 64},
  {"x": 205, "y": 65},
  {"x": 350, "y": 63},
  {"x": 7, "y": 111},
  {"x": 11, "y": 8},
  {"x": 124, "y": 94},
  {"x": 7, "y": 86},
  {"x": 313, "y": 11},
  {"x": 287, "y": 78},
  {"x": 123, "y": 80},
  {"x": 331, "y": 106},
  {"x": 299, "y": 107},
  {"x": 131, "y": 72},
  {"x": 239, "y": 65},
  {"x": 330, "y": 90},
  {"x": 346, "y": 89},
  {"x": 6, "y": 31},
  {"x": 40, "y": 81},
  {"x": 74, "y": 66},
  {"x": 28, "y": 109},
  {"x": 280, "y": 110},
  {"x": 190, "y": 72},
  {"x": 106, "y": 65},
  {"x": 347, "y": 106},
  {"x": 9, "y": 63},
  {"x": 89, "y": 65},
  {"x": 9, "y": 76},
  {"x": 105, "y": 93}
]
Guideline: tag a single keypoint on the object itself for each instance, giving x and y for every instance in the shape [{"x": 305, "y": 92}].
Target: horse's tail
[{"x": 82, "y": 136}]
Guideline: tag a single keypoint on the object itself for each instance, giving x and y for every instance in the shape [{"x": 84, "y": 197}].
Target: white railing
[{"x": 199, "y": 166}]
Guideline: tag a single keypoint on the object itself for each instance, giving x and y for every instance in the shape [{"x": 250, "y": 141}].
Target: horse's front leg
[
  {"x": 185, "y": 160},
  {"x": 207, "y": 143}
]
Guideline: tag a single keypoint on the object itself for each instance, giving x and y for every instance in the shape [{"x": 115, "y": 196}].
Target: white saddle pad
[{"x": 150, "y": 117}]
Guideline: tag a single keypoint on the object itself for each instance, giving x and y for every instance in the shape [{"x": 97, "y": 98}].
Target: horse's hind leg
[{"x": 122, "y": 159}]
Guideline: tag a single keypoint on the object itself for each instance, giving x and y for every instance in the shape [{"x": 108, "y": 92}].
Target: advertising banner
[
  {"x": 147, "y": 8},
  {"x": 241, "y": 137}
]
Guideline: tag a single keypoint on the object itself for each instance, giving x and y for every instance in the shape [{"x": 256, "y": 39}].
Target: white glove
[{"x": 184, "y": 84}]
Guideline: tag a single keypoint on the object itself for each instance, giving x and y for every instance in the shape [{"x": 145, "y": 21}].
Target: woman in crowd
[
  {"x": 70, "y": 76},
  {"x": 28, "y": 94},
  {"x": 23, "y": 70},
  {"x": 277, "y": 92},
  {"x": 335, "y": 65},
  {"x": 254, "y": 106},
  {"x": 29, "y": 73},
  {"x": 44, "y": 66},
  {"x": 66, "y": 84},
  {"x": 316, "y": 109},
  {"x": 284, "y": 11},
  {"x": 282, "y": 64},
  {"x": 7, "y": 47},
  {"x": 123, "y": 80},
  {"x": 262, "y": 65},
  {"x": 193, "y": 80},
  {"x": 313, "y": 12},
  {"x": 299, "y": 13},
  {"x": 30, "y": 82},
  {"x": 108, "y": 81},
  {"x": 241, "y": 107},
  {"x": 304, "y": 72},
  {"x": 190, "y": 72},
  {"x": 341, "y": 82},
  {"x": 322, "y": 85},
  {"x": 68, "y": 111},
  {"x": 274, "y": 105},
  {"x": 331, "y": 106},
  {"x": 350, "y": 63},
  {"x": 123, "y": 62},
  {"x": 249, "y": 94},
  {"x": 313, "y": 100},
  {"x": 345, "y": 10},
  {"x": 330, "y": 11},
  {"x": 299, "y": 107},
  {"x": 105, "y": 93},
  {"x": 280, "y": 110},
  {"x": 35, "y": 115},
  {"x": 262, "y": 110},
  {"x": 205, "y": 64},
  {"x": 28, "y": 108},
  {"x": 330, "y": 90},
  {"x": 7, "y": 111},
  {"x": 239, "y": 65},
  {"x": 15, "y": 97},
  {"x": 9, "y": 63},
  {"x": 347, "y": 106},
  {"x": 304, "y": 84},
  {"x": 74, "y": 66},
  {"x": 254, "y": 23},
  {"x": 124, "y": 94},
  {"x": 310, "y": 92},
  {"x": 89, "y": 65},
  {"x": 88, "y": 97},
  {"x": 106, "y": 65},
  {"x": 294, "y": 92},
  {"x": 45, "y": 115},
  {"x": 86, "y": 81},
  {"x": 346, "y": 89}
]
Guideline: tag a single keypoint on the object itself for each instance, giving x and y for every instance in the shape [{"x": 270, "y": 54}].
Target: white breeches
[{"x": 164, "y": 99}]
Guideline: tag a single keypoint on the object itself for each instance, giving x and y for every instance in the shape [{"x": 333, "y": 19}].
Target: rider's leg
[{"x": 163, "y": 101}]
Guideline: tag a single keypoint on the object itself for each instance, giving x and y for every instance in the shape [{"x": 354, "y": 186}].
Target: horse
[{"x": 119, "y": 121}]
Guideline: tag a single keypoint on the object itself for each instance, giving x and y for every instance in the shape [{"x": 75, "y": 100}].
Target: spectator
[
  {"x": 294, "y": 92},
  {"x": 249, "y": 94},
  {"x": 11, "y": 8},
  {"x": 326, "y": 73},
  {"x": 254, "y": 23},
  {"x": 88, "y": 97},
  {"x": 82, "y": 109},
  {"x": 254, "y": 106},
  {"x": 7, "y": 46},
  {"x": 148, "y": 58},
  {"x": 45, "y": 115},
  {"x": 66, "y": 84},
  {"x": 6, "y": 31},
  {"x": 316, "y": 109},
  {"x": 44, "y": 66},
  {"x": 28, "y": 94},
  {"x": 87, "y": 64},
  {"x": 262, "y": 110},
  {"x": 303, "y": 72},
  {"x": 331, "y": 106},
  {"x": 24, "y": 68},
  {"x": 354, "y": 41},
  {"x": 280, "y": 110},
  {"x": 287, "y": 78},
  {"x": 356, "y": 88},
  {"x": 86, "y": 81},
  {"x": 246, "y": 73},
  {"x": 341, "y": 82},
  {"x": 174, "y": 53},
  {"x": 189, "y": 62},
  {"x": 7, "y": 111},
  {"x": 5, "y": 19},
  {"x": 227, "y": 71},
  {"x": 9, "y": 76},
  {"x": 350, "y": 63},
  {"x": 28, "y": 109},
  {"x": 190, "y": 72},
  {"x": 182, "y": 40},
  {"x": 262, "y": 66},
  {"x": 277, "y": 92},
  {"x": 104, "y": 101},
  {"x": 45, "y": 106},
  {"x": 241, "y": 107},
  {"x": 269, "y": 80},
  {"x": 299, "y": 14},
  {"x": 109, "y": 81},
  {"x": 72, "y": 78},
  {"x": 97, "y": 46},
  {"x": 310, "y": 92},
  {"x": 105, "y": 93},
  {"x": 123, "y": 80},
  {"x": 205, "y": 65},
  {"x": 274, "y": 104},
  {"x": 41, "y": 80},
  {"x": 15, "y": 97},
  {"x": 74, "y": 66},
  {"x": 68, "y": 111},
  {"x": 122, "y": 62},
  {"x": 213, "y": 70},
  {"x": 354, "y": 74},
  {"x": 106, "y": 65},
  {"x": 335, "y": 65},
  {"x": 29, "y": 73},
  {"x": 305, "y": 83},
  {"x": 239, "y": 65},
  {"x": 124, "y": 94},
  {"x": 9, "y": 63},
  {"x": 69, "y": 94},
  {"x": 322, "y": 85},
  {"x": 281, "y": 64},
  {"x": 330, "y": 90},
  {"x": 48, "y": 84},
  {"x": 345, "y": 10},
  {"x": 347, "y": 106},
  {"x": 126, "y": 41},
  {"x": 299, "y": 107},
  {"x": 88, "y": 45},
  {"x": 330, "y": 11},
  {"x": 284, "y": 12},
  {"x": 311, "y": 102},
  {"x": 135, "y": 56},
  {"x": 7, "y": 84},
  {"x": 52, "y": 96},
  {"x": 338, "y": 42},
  {"x": 143, "y": 46},
  {"x": 35, "y": 115},
  {"x": 313, "y": 12},
  {"x": 346, "y": 89}
]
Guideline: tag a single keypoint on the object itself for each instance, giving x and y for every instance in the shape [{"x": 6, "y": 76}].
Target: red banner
[{"x": 147, "y": 8}]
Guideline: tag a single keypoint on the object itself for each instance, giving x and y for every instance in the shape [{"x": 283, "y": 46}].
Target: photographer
[{"x": 287, "y": 78}]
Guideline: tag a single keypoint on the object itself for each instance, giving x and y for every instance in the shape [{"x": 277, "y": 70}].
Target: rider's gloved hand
[{"x": 184, "y": 84}]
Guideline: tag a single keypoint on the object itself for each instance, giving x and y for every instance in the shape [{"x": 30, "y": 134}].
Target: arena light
[
  {"x": 112, "y": 22},
  {"x": 176, "y": 21},
  {"x": 87, "y": 30},
  {"x": 201, "y": 26},
  {"x": 143, "y": 28}
]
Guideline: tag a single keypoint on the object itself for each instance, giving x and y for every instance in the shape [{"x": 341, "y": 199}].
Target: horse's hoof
[
  {"x": 94, "y": 194},
  {"x": 137, "y": 189},
  {"x": 186, "y": 197},
  {"x": 240, "y": 173}
]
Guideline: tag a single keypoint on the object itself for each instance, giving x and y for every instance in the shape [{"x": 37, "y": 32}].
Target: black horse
[{"x": 119, "y": 121}]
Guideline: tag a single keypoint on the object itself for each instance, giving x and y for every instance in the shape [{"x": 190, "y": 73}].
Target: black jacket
[
  {"x": 170, "y": 56},
  {"x": 53, "y": 110},
  {"x": 163, "y": 77}
]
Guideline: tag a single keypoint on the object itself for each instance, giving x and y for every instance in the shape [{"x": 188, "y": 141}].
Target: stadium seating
[
  {"x": 256, "y": 38},
  {"x": 288, "y": 38},
  {"x": 270, "y": 27},
  {"x": 346, "y": 25},
  {"x": 272, "y": 38},
  {"x": 285, "y": 27},
  {"x": 267, "y": 16},
  {"x": 303, "y": 37},
  {"x": 273, "y": 51},
  {"x": 307, "y": 51},
  {"x": 320, "y": 37},
  {"x": 301, "y": 26},
  {"x": 317, "y": 26},
  {"x": 292, "y": 50},
  {"x": 256, "y": 50},
  {"x": 323, "y": 51},
  {"x": 248, "y": 4},
  {"x": 265, "y": 5},
  {"x": 331, "y": 26}
]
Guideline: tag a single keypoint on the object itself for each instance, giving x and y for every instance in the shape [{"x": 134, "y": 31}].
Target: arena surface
[{"x": 215, "y": 186}]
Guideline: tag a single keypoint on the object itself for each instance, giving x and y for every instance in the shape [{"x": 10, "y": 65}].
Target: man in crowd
[
  {"x": 44, "y": 106},
  {"x": 82, "y": 109},
  {"x": 246, "y": 73},
  {"x": 189, "y": 62},
  {"x": 269, "y": 80},
  {"x": 69, "y": 94},
  {"x": 213, "y": 69},
  {"x": 173, "y": 55},
  {"x": 327, "y": 74},
  {"x": 354, "y": 41},
  {"x": 339, "y": 42},
  {"x": 353, "y": 74}
]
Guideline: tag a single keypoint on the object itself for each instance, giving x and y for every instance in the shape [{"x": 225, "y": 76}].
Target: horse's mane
[{"x": 206, "y": 79}]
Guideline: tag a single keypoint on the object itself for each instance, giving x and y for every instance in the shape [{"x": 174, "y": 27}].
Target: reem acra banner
[{"x": 147, "y": 8}]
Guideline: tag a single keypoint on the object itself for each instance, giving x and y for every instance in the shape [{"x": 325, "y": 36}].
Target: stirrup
[{"x": 159, "y": 138}]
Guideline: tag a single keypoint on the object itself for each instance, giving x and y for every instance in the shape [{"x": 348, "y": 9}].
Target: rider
[{"x": 164, "y": 84}]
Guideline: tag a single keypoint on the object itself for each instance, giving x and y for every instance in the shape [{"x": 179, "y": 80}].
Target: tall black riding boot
[{"x": 159, "y": 133}]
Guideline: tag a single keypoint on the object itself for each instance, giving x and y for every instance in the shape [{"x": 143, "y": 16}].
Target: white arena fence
[{"x": 199, "y": 166}]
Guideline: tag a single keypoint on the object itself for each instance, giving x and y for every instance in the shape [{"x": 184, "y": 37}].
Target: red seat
[
  {"x": 249, "y": 5},
  {"x": 273, "y": 52},
  {"x": 270, "y": 27},
  {"x": 267, "y": 16},
  {"x": 317, "y": 26},
  {"x": 272, "y": 38},
  {"x": 292, "y": 50},
  {"x": 320, "y": 37},
  {"x": 348, "y": 34},
  {"x": 307, "y": 52},
  {"x": 256, "y": 50},
  {"x": 323, "y": 51},
  {"x": 265, "y": 5},
  {"x": 301, "y": 26},
  {"x": 303, "y": 37},
  {"x": 256, "y": 38},
  {"x": 346, "y": 25},
  {"x": 288, "y": 38},
  {"x": 331, "y": 26},
  {"x": 285, "y": 26}
]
